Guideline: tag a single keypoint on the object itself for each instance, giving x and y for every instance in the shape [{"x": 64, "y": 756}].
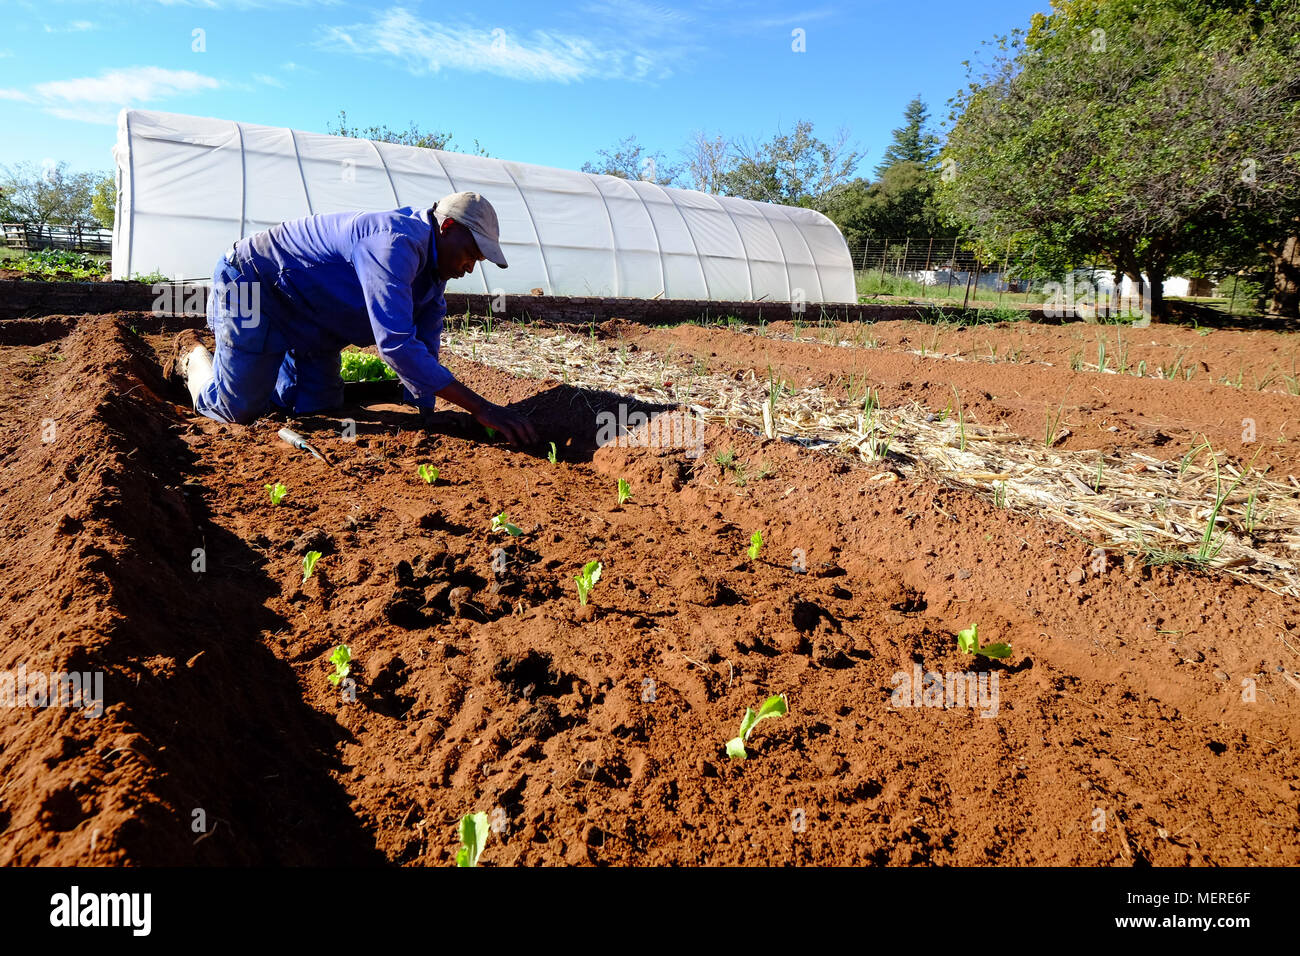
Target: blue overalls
[{"x": 296, "y": 294}]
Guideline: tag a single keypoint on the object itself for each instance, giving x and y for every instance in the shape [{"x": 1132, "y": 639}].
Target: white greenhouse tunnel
[{"x": 189, "y": 186}]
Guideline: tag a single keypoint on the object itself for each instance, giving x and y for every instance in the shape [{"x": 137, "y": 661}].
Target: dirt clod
[{"x": 314, "y": 539}]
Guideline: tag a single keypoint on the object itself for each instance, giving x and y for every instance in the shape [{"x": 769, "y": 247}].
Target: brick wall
[{"x": 21, "y": 298}]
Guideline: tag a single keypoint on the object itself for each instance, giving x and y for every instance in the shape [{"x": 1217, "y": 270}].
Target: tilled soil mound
[
  {"x": 1140, "y": 718},
  {"x": 201, "y": 727}
]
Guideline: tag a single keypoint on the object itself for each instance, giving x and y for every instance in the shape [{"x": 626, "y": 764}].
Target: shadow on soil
[
  {"x": 231, "y": 734},
  {"x": 569, "y": 416}
]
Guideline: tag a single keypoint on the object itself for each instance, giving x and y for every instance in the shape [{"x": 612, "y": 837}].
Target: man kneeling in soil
[{"x": 285, "y": 302}]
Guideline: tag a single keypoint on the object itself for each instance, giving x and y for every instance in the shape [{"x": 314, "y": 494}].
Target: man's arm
[
  {"x": 517, "y": 429},
  {"x": 386, "y": 265}
]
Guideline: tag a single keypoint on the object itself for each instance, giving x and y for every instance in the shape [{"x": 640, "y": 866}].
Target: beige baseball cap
[{"x": 476, "y": 214}]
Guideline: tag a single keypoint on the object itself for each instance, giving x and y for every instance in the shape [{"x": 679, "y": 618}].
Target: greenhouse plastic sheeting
[{"x": 188, "y": 187}]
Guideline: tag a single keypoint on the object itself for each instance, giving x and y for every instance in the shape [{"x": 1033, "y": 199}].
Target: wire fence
[{"x": 948, "y": 268}]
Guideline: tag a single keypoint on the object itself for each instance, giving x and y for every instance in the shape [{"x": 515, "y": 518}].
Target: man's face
[{"x": 457, "y": 251}]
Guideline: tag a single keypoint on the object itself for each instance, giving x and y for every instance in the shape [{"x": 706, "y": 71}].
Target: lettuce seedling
[
  {"x": 473, "y": 837},
  {"x": 360, "y": 367},
  {"x": 774, "y": 706},
  {"x": 624, "y": 490},
  {"x": 587, "y": 580},
  {"x": 755, "y": 545},
  {"x": 429, "y": 473},
  {"x": 491, "y": 432},
  {"x": 551, "y": 455},
  {"x": 342, "y": 661},
  {"x": 502, "y": 523},
  {"x": 277, "y": 492},
  {"x": 309, "y": 564},
  {"x": 969, "y": 641}
]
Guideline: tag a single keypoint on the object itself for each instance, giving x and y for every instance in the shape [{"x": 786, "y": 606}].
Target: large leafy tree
[
  {"x": 50, "y": 195},
  {"x": 912, "y": 142},
  {"x": 1155, "y": 133},
  {"x": 796, "y": 168}
]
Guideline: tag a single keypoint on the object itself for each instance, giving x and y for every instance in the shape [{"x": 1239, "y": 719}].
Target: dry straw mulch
[{"x": 1127, "y": 503}]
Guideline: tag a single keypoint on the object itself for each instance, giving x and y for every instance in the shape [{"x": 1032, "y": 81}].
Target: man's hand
[{"x": 517, "y": 429}]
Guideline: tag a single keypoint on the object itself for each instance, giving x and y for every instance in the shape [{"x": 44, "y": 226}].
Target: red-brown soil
[
  {"x": 1106, "y": 411},
  {"x": 1123, "y": 734}
]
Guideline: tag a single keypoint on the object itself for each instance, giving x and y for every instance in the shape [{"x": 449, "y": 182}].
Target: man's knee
[
  {"x": 210, "y": 406},
  {"x": 242, "y": 386},
  {"x": 246, "y": 416}
]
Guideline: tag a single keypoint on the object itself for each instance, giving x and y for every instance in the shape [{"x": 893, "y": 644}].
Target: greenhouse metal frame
[{"x": 190, "y": 186}]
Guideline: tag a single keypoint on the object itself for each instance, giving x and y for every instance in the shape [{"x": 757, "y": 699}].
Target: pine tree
[{"x": 913, "y": 143}]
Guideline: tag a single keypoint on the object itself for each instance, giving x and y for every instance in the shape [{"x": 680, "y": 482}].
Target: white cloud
[
  {"x": 268, "y": 80},
  {"x": 118, "y": 87},
  {"x": 646, "y": 19},
  {"x": 96, "y": 99},
  {"x": 793, "y": 19},
  {"x": 428, "y": 46},
  {"x": 83, "y": 114},
  {"x": 243, "y": 4},
  {"x": 76, "y": 26}
]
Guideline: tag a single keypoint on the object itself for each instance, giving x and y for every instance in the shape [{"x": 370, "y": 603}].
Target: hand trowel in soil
[{"x": 297, "y": 441}]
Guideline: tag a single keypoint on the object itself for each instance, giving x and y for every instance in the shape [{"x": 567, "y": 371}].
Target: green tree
[
  {"x": 1153, "y": 133},
  {"x": 412, "y": 136},
  {"x": 49, "y": 195},
  {"x": 796, "y": 169},
  {"x": 103, "y": 200},
  {"x": 630, "y": 160},
  {"x": 900, "y": 203},
  {"x": 707, "y": 160},
  {"x": 912, "y": 142}
]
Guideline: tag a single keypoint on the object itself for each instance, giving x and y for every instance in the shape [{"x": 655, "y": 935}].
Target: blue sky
[{"x": 540, "y": 83}]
